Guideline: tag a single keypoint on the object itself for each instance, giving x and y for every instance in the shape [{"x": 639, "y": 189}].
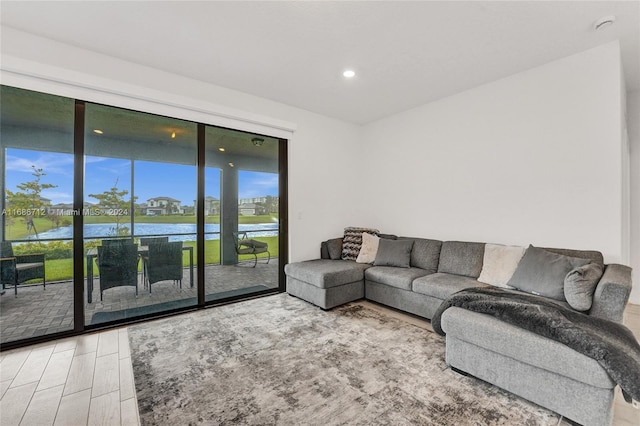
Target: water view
[{"x": 176, "y": 231}]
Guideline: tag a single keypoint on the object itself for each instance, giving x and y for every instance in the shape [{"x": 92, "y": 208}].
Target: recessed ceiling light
[
  {"x": 604, "y": 22},
  {"x": 231, "y": 164},
  {"x": 349, "y": 73},
  {"x": 221, "y": 149},
  {"x": 98, "y": 131}
]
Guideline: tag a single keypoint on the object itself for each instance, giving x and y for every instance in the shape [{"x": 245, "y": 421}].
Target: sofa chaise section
[
  {"x": 538, "y": 369},
  {"x": 326, "y": 283}
]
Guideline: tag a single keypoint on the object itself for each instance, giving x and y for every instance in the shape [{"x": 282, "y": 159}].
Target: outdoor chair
[
  {"x": 249, "y": 246},
  {"x": 118, "y": 266},
  {"x": 146, "y": 242},
  {"x": 18, "y": 269},
  {"x": 164, "y": 263}
]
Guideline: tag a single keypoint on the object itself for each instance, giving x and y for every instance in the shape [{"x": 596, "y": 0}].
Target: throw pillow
[
  {"x": 334, "y": 248},
  {"x": 426, "y": 254},
  {"x": 580, "y": 284},
  {"x": 369, "y": 248},
  {"x": 499, "y": 264},
  {"x": 324, "y": 250},
  {"x": 353, "y": 240},
  {"x": 542, "y": 272},
  {"x": 461, "y": 258},
  {"x": 394, "y": 253}
]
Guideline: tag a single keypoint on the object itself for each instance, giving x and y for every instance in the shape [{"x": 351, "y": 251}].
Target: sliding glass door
[
  {"x": 125, "y": 215},
  {"x": 140, "y": 221},
  {"x": 36, "y": 173},
  {"x": 242, "y": 246}
]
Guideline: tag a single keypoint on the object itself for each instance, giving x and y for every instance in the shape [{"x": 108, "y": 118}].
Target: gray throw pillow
[
  {"x": 543, "y": 273},
  {"x": 580, "y": 284},
  {"x": 461, "y": 258},
  {"x": 334, "y": 247},
  {"x": 426, "y": 254},
  {"x": 324, "y": 250},
  {"x": 394, "y": 253}
]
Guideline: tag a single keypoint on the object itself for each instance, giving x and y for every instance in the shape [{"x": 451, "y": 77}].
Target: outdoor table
[{"x": 93, "y": 253}]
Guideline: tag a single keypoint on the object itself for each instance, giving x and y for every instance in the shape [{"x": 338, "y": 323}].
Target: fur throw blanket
[{"x": 611, "y": 344}]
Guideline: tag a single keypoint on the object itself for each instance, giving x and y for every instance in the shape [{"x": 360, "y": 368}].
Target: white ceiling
[{"x": 405, "y": 53}]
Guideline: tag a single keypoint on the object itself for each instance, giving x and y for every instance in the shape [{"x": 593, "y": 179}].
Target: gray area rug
[{"x": 279, "y": 360}]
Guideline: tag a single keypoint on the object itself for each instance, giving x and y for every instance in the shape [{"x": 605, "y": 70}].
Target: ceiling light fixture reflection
[
  {"x": 98, "y": 131},
  {"x": 231, "y": 165},
  {"x": 257, "y": 141},
  {"x": 349, "y": 73},
  {"x": 221, "y": 149},
  {"x": 173, "y": 135}
]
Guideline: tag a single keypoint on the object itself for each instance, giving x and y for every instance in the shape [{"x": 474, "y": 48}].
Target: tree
[
  {"x": 28, "y": 201},
  {"x": 113, "y": 203}
]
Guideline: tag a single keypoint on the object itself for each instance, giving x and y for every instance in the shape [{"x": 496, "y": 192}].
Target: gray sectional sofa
[{"x": 536, "y": 368}]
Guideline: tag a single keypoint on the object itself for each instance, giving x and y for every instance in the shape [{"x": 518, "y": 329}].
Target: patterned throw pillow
[{"x": 352, "y": 241}]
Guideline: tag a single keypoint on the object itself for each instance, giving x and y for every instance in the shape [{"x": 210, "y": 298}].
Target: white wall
[
  {"x": 532, "y": 158},
  {"x": 320, "y": 150},
  {"x": 633, "y": 126}
]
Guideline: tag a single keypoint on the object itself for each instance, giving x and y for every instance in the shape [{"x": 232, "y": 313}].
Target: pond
[{"x": 212, "y": 231}]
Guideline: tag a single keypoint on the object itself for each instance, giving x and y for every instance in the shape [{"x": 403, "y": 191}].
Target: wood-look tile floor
[
  {"x": 88, "y": 380},
  {"x": 84, "y": 380}
]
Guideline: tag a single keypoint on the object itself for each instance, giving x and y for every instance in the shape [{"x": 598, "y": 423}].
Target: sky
[{"x": 151, "y": 179}]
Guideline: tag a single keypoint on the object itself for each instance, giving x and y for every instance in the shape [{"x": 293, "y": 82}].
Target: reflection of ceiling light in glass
[
  {"x": 173, "y": 135},
  {"x": 231, "y": 165},
  {"x": 257, "y": 141},
  {"x": 98, "y": 131},
  {"x": 221, "y": 149}
]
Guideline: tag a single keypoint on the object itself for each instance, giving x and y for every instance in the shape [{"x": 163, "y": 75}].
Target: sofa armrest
[{"x": 612, "y": 293}]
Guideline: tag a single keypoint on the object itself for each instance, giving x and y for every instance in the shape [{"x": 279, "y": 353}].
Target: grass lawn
[{"x": 62, "y": 269}]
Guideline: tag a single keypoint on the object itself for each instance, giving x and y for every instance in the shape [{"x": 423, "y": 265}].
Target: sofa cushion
[
  {"x": 461, "y": 258},
  {"x": 499, "y": 263},
  {"x": 394, "y": 277},
  {"x": 353, "y": 240},
  {"x": 369, "y": 248},
  {"x": 580, "y": 283},
  {"x": 441, "y": 285},
  {"x": 325, "y": 273},
  {"x": 334, "y": 248},
  {"x": 394, "y": 253},
  {"x": 542, "y": 272},
  {"x": 426, "y": 254}
]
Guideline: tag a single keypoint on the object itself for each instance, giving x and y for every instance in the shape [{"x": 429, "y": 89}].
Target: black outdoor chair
[
  {"x": 118, "y": 266},
  {"x": 249, "y": 246},
  {"x": 164, "y": 263},
  {"x": 146, "y": 242},
  {"x": 18, "y": 269}
]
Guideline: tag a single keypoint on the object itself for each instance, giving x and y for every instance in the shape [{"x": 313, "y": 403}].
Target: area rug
[{"x": 278, "y": 360}]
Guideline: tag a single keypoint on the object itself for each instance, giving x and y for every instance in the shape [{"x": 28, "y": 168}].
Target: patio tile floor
[{"x": 37, "y": 311}]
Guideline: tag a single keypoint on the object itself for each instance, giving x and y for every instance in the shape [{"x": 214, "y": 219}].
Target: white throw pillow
[
  {"x": 369, "y": 248},
  {"x": 499, "y": 264}
]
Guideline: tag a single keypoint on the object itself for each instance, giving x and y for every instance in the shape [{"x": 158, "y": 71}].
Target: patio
[{"x": 37, "y": 311}]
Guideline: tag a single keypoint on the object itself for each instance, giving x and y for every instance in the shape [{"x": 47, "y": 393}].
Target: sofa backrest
[
  {"x": 592, "y": 255},
  {"x": 461, "y": 258}
]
